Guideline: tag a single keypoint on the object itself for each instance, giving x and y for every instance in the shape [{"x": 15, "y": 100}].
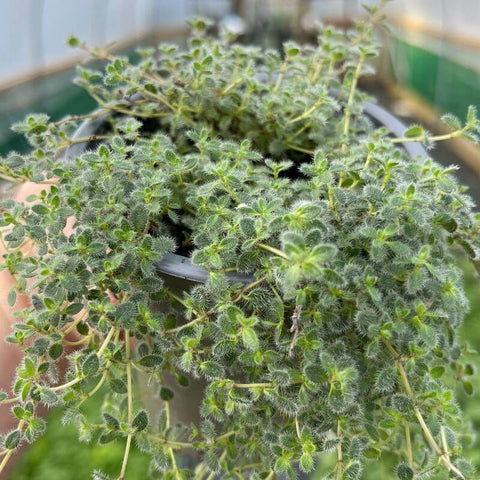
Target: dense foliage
[{"x": 262, "y": 164}]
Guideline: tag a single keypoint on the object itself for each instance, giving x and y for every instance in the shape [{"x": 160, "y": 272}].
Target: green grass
[{"x": 58, "y": 455}]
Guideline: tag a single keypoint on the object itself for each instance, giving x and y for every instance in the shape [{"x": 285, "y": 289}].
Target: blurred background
[{"x": 430, "y": 64}]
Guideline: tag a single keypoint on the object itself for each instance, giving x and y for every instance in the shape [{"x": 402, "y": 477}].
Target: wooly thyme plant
[{"x": 248, "y": 161}]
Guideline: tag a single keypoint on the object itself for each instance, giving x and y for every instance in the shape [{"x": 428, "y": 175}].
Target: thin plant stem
[
  {"x": 77, "y": 118},
  {"x": 444, "y": 441},
  {"x": 297, "y": 428},
  {"x": 69, "y": 384},
  {"x": 100, "y": 352},
  {"x": 253, "y": 385},
  {"x": 95, "y": 389},
  {"x": 8, "y": 178},
  {"x": 409, "y": 444},
  {"x": 106, "y": 341},
  {"x": 129, "y": 404},
  {"x": 318, "y": 70},
  {"x": 78, "y": 342},
  {"x": 177, "y": 298},
  {"x": 300, "y": 149},
  {"x": 443, "y": 456},
  {"x": 170, "y": 449},
  {"x": 9, "y": 453},
  {"x": 75, "y": 323},
  {"x": 351, "y": 97},
  {"x": 232, "y": 85},
  {"x": 200, "y": 471},
  {"x": 435, "y": 138},
  {"x": 9, "y": 400},
  {"x": 306, "y": 114},
  {"x": 281, "y": 74},
  {"x": 224, "y": 436},
  {"x": 339, "y": 452},
  {"x": 249, "y": 287},
  {"x": 274, "y": 250},
  {"x": 72, "y": 141}
]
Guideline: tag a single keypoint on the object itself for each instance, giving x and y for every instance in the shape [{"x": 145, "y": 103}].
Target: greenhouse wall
[
  {"x": 435, "y": 51},
  {"x": 39, "y": 28}
]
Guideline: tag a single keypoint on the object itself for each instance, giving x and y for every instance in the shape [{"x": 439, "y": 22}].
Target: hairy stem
[
  {"x": 351, "y": 97},
  {"x": 170, "y": 449},
  {"x": 253, "y": 385},
  {"x": 72, "y": 326},
  {"x": 95, "y": 389},
  {"x": 107, "y": 340},
  {"x": 306, "y": 114},
  {"x": 274, "y": 250},
  {"x": 317, "y": 71},
  {"x": 297, "y": 428},
  {"x": 8, "y": 178},
  {"x": 130, "y": 404},
  {"x": 281, "y": 74},
  {"x": 72, "y": 141},
  {"x": 300, "y": 149},
  {"x": 408, "y": 439},
  {"x": 435, "y": 138},
  {"x": 443, "y": 456},
  {"x": 9, "y": 453},
  {"x": 78, "y": 118},
  {"x": 232, "y": 85},
  {"x": 339, "y": 452}
]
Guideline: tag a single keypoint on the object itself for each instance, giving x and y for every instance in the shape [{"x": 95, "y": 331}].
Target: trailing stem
[
  {"x": 443, "y": 455},
  {"x": 72, "y": 141},
  {"x": 8, "y": 178},
  {"x": 307, "y": 113},
  {"x": 281, "y": 74},
  {"x": 76, "y": 380},
  {"x": 351, "y": 97},
  {"x": 274, "y": 250},
  {"x": 9, "y": 452},
  {"x": 339, "y": 452},
  {"x": 130, "y": 403},
  {"x": 318, "y": 70},
  {"x": 408, "y": 439},
  {"x": 300, "y": 149},
  {"x": 436, "y": 138},
  {"x": 170, "y": 448}
]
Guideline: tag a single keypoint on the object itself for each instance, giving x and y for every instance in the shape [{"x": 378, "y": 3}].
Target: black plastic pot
[{"x": 178, "y": 270}]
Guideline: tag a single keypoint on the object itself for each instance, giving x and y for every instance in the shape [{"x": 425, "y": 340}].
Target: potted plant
[{"x": 234, "y": 218}]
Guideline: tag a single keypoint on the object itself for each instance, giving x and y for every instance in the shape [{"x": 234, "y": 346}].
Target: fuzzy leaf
[
  {"x": 250, "y": 338},
  {"x": 414, "y": 131},
  {"x": 118, "y": 386},
  {"x": 90, "y": 365},
  {"x": 151, "y": 361},
  {"x": 12, "y": 440},
  {"x": 140, "y": 422},
  {"x": 212, "y": 369}
]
